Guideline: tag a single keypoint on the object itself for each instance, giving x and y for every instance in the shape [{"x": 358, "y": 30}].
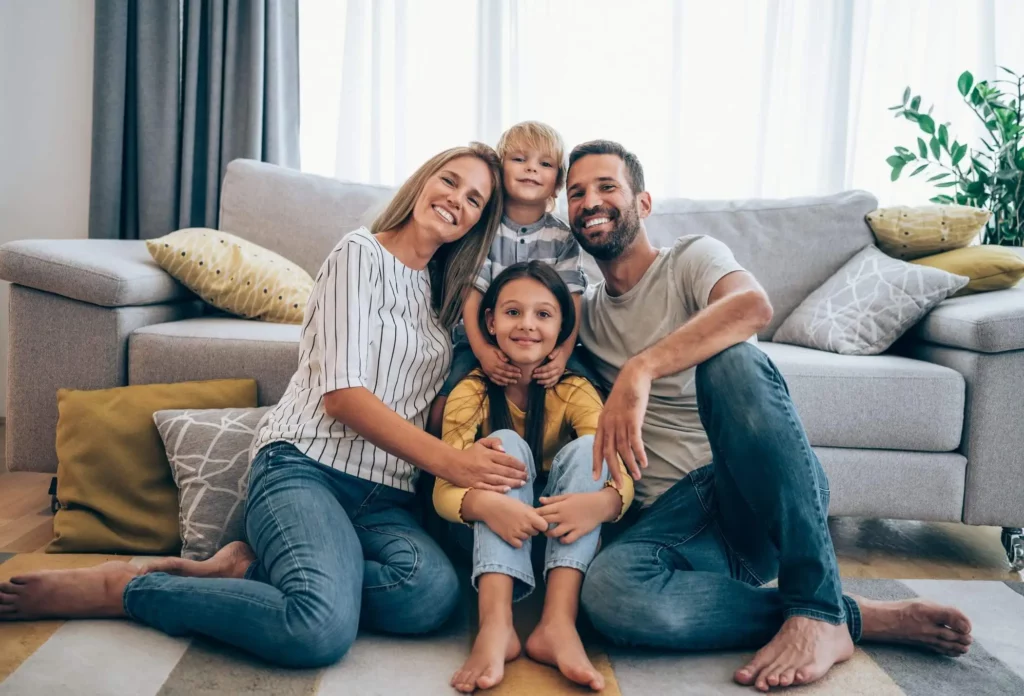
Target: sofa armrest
[
  {"x": 989, "y": 322},
  {"x": 104, "y": 272}
]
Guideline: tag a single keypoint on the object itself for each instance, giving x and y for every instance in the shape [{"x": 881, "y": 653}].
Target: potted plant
[{"x": 990, "y": 177}]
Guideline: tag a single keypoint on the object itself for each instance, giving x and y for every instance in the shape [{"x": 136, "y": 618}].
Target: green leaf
[
  {"x": 901, "y": 150},
  {"x": 943, "y": 135},
  {"x": 896, "y": 108},
  {"x": 895, "y": 173},
  {"x": 906, "y": 96},
  {"x": 1008, "y": 174},
  {"x": 915, "y": 103},
  {"x": 959, "y": 154},
  {"x": 919, "y": 170},
  {"x": 943, "y": 175},
  {"x": 1009, "y": 71},
  {"x": 910, "y": 116},
  {"x": 945, "y": 184},
  {"x": 894, "y": 161},
  {"x": 935, "y": 148},
  {"x": 942, "y": 200},
  {"x": 976, "y": 97},
  {"x": 980, "y": 166},
  {"x": 922, "y": 148},
  {"x": 926, "y": 123},
  {"x": 908, "y": 156},
  {"x": 964, "y": 83}
]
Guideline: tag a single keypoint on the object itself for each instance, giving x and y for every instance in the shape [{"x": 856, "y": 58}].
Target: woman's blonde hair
[
  {"x": 534, "y": 135},
  {"x": 455, "y": 264}
]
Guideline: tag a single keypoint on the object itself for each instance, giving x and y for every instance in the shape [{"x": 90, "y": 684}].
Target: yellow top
[{"x": 571, "y": 409}]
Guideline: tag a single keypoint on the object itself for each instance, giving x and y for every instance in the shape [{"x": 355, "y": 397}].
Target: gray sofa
[{"x": 933, "y": 430}]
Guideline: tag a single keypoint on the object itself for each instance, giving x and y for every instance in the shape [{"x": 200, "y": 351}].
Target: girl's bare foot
[
  {"x": 557, "y": 643},
  {"x": 67, "y": 594},
  {"x": 495, "y": 644},
  {"x": 801, "y": 652},
  {"x": 916, "y": 622},
  {"x": 230, "y": 562}
]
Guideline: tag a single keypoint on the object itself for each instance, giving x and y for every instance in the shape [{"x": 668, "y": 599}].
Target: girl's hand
[
  {"x": 512, "y": 520},
  {"x": 577, "y": 514},
  {"x": 548, "y": 374},
  {"x": 496, "y": 366},
  {"x": 484, "y": 466}
]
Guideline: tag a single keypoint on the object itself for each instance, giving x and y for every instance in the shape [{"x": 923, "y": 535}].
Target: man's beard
[{"x": 626, "y": 226}]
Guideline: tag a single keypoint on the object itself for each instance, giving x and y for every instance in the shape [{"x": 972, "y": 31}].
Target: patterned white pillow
[
  {"x": 209, "y": 454},
  {"x": 868, "y": 304}
]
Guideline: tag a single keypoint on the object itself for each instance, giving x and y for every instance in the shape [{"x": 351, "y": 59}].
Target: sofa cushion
[
  {"x": 216, "y": 348},
  {"x": 791, "y": 246},
  {"x": 299, "y": 216},
  {"x": 992, "y": 322},
  {"x": 875, "y": 402}
]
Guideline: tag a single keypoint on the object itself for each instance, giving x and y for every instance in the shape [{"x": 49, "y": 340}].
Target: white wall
[{"x": 46, "y": 49}]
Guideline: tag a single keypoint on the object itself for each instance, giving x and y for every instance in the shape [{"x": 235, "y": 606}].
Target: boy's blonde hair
[{"x": 534, "y": 135}]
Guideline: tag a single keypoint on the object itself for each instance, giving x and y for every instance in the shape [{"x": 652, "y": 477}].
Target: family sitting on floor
[{"x": 695, "y": 468}]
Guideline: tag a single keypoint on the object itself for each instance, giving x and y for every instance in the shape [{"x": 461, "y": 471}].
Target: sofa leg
[{"x": 1013, "y": 542}]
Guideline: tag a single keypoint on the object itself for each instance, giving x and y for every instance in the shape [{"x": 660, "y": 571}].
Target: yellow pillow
[
  {"x": 989, "y": 267},
  {"x": 910, "y": 233},
  {"x": 114, "y": 484},
  {"x": 234, "y": 275}
]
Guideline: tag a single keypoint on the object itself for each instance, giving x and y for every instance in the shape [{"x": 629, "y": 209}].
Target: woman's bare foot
[
  {"x": 67, "y": 594},
  {"x": 230, "y": 562},
  {"x": 916, "y": 622},
  {"x": 801, "y": 652},
  {"x": 495, "y": 644},
  {"x": 557, "y": 643}
]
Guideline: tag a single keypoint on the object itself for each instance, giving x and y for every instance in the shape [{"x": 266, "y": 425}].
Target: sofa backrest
[
  {"x": 299, "y": 216},
  {"x": 791, "y": 246}
]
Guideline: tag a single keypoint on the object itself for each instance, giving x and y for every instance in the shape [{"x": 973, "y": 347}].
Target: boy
[{"x": 533, "y": 166}]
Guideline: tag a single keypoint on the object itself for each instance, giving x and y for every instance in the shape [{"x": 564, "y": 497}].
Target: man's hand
[
  {"x": 577, "y": 514},
  {"x": 620, "y": 423},
  {"x": 484, "y": 466},
  {"x": 548, "y": 374},
  {"x": 496, "y": 366},
  {"x": 511, "y": 519}
]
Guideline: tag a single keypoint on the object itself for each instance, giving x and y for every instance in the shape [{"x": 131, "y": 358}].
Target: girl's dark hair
[{"x": 500, "y": 417}]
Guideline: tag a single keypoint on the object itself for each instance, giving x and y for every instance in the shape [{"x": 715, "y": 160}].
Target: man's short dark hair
[{"x": 610, "y": 147}]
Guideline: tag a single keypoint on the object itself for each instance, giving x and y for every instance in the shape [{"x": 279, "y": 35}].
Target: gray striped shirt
[
  {"x": 549, "y": 240},
  {"x": 369, "y": 324}
]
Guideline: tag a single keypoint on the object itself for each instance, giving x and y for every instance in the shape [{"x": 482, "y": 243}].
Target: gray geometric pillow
[
  {"x": 868, "y": 304},
  {"x": 209, "y": 454}
]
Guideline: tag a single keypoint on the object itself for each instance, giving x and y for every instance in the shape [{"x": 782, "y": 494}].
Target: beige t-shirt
[{"x": 614, "y": 329}]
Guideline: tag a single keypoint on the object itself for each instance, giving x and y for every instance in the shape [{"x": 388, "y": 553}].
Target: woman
[{"x": 331, "y": 537}]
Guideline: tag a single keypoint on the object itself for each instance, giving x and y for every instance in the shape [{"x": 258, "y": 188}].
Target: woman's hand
[
  {"x": 577, "y": 514},
  {"x": 497, "y": 367},
  {"x": 511, "y": 519},
  {"x": 484, "y": 466},
  {"x": 548, "y": 374}
]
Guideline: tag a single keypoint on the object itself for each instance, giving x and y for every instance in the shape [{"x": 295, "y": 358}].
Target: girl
[
  {"x": 526, "y": 312},
  {"x": 332, "y": 539}
]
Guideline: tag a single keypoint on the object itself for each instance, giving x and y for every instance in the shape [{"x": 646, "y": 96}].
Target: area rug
[{"x": 111, "y": 658}]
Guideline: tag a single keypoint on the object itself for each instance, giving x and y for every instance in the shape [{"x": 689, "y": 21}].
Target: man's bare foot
[
  {"x": 558, "y": 644},
  {"x": 916, "y": 622},
  {"x": 495, "y": 644},
  {"x": 801, "y": 652},
  {"x": 230, "y": 562},
  {"x": 67, "y": 594}
]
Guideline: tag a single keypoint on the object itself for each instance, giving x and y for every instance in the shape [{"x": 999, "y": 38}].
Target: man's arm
[{"x": 737, "y": 309}]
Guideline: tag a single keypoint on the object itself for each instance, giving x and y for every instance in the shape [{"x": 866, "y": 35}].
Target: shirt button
[
  {"x": 522, "y": 241},
  {"x": 522, "y": 229}
]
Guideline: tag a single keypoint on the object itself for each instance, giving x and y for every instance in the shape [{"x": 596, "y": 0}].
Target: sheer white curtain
[{"x": 725, "y": 99}]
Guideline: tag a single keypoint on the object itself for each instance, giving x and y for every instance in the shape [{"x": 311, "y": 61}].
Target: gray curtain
[{"x": 181, "y": 88}]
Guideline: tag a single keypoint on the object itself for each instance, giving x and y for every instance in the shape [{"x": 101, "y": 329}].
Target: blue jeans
[
  {"x": 688, "y": 574},
  {"x": 571, "y": 472},
  {"x": 332, "y": 551},
  {"x": 464, "y": 362}
]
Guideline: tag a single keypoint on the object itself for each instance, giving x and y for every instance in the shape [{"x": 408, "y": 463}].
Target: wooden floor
[{"x": 865, "y": 548}]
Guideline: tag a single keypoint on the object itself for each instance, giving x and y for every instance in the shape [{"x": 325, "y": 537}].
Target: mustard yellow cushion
[
  {"x": 990, "y": 267},
  {"x": 234, "y": 274},
  {"x": 910, "y": 233},
  {"x": 114, "y": 484}
]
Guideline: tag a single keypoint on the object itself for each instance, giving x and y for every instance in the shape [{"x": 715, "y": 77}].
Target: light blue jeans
[
  {"x": 571, "y": 472},
  {"x": 333, "y": 551}
]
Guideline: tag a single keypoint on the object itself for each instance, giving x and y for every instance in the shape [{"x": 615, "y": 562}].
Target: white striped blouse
[{"x": 368, "y": 323}]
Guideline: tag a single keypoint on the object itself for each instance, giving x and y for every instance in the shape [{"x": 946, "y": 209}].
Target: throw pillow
[
  {"x": 234, "y": 274},
  {"x": 867, "y": 305},
  {"x": 209, "y": 455},
  {"x": 990, "y": 267},
  {"x": 910, "y": 233},
  {"x": 114, "y": 484}
]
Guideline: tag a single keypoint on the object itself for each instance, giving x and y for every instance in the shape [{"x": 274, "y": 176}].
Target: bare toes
[{"x": 786, "y": 678}]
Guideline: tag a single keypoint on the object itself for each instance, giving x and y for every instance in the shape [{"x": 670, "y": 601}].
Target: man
[{"x": 732, "y": 494}]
